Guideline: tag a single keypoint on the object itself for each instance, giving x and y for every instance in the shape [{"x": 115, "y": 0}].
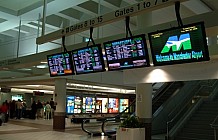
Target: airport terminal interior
[{"x": 79, "y": 69}]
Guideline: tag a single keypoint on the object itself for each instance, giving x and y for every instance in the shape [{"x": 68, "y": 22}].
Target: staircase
[{"x": 198, "y": 126}]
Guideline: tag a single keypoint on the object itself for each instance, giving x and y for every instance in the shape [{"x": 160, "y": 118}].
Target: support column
[
  {"x": 212, "y": 40},
  {"x": 44, "y": 16},
  {"x": 144, "y": 106},
  {"x": 60, "y": 112}
]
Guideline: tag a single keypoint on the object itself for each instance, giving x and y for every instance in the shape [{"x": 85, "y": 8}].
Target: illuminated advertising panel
[
  {"x": 113, "y": 105},
  {"x": 70, "y": 104},
  {"x": 88, "y": 105},
  {"x": 124, "y": 103},
  {"x": 78, "y": 105},
  {"x": 102, "y": 105}
]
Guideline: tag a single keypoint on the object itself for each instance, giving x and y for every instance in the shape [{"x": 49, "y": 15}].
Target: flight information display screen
[
  {"x": 88, "y": 59},
  {"x": 127, "y": 53},
  {"x": 179, "y": 45},
  {"x": 60, "y": 64}
]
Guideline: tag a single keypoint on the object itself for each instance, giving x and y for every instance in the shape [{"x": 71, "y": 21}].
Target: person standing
[
  {"x": 47, "y": 110},
  {"x": 12, "y": 109},
  {"x": 33, "y": 110},
  {"x": 52, "y": 104},
  {"x": 39, "y": 109},
  {"x": 3, "y": 112},
  {"x": 19, "y": 106},
  {"x": 7, "y": 113}
]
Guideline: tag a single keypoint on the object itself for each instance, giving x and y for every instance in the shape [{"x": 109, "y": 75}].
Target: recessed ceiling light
[
  {"x": 42, "y": 66},
  {"x": 25, "y": 69},
  {"x": 43, "y": 62}
]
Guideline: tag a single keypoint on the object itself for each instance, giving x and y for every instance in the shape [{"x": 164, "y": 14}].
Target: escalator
[
  {"x": 165, "y": 92},
  {"x": 161, "y": 96}
]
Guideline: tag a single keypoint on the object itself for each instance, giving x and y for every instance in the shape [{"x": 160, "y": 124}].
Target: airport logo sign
[{"x": 177, "y": 43}]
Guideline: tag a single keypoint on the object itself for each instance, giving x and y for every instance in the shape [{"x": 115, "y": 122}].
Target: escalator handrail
[
  {"x": 107, "y": 120},
  {"x": 117, "y": 117},
  {"x": 82, "y": 125},
  {"x": 162, "y": 91},
  {"x": 163, "y": 87},
  {"x": 124, "y": 111},
  {"x": 87, "y": 119}
]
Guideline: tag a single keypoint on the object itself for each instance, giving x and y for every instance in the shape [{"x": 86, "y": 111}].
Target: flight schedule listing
[
  {"x": 88, "y": 59},
  {"x": 126, "y": 53},
  {"x": 60, "y": 64}
]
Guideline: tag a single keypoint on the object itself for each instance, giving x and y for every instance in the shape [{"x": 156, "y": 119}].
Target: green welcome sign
[{"x": 179, "y": 45}]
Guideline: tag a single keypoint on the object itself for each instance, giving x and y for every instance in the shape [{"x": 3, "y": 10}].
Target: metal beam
[
  {"x": 67, "y": 17},
  {"x": 22, "y": 31},
  {"x": 85, "y": 11},
  {"x": 106, "y": 19},
  {"x": 107, "y": 4}
]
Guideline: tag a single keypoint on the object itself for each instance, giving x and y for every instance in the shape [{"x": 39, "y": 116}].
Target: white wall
[{"x": 178, "y": 72}]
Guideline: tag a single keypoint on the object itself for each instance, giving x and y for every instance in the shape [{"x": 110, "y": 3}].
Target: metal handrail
[
  {"x": 214, "y": 121},
  {"x": 175, "y": 117},
  {"x": 214, "y": 126},
  {"x": 181, "y": 110},
  {"x": 196, "y": 90}
]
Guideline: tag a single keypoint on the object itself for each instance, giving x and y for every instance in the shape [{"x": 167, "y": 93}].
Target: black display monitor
[
  {"x": 179, "y": 45},
  {"x": 127, "y": 53},
  {"x": 88, "y": 59},
  {"x": 60, "y": 64}
]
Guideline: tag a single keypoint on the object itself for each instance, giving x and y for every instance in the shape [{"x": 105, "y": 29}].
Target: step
[
  {"x": 187, "y": 138},
  {"x": 206, "y": 131},
  {"x": 196, "y": 122},
  {"x": 196, "y": 135},
  {"x": 206, "y": 116},
  {"x": 199, "y": 126},
  {"x": 197, "y": 118},
  {"x": 206, "y": 112}
]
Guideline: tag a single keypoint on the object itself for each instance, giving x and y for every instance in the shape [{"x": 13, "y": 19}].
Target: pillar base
[
  {"x": 59, "y": 120},
  {"x": 148, "y": 131}
]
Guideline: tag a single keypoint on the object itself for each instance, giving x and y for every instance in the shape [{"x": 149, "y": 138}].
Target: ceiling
[{"x": 62, "y": 13}]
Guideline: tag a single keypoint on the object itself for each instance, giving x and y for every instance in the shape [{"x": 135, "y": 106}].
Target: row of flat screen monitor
[
  {"x": 76, "y": 104},
  {"x": 170, "y": 46}
]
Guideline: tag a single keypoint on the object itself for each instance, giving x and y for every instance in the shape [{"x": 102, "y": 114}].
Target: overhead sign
[
  {"x": 179, "y": 45},
  {"x": 132, "y": 10}
]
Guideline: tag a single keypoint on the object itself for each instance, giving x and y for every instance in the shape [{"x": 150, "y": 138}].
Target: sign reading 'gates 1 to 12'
[{"x": 179, "y": 45}]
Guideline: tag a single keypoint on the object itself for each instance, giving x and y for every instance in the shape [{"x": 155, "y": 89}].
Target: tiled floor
[{"x": 26, "y": 129}]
